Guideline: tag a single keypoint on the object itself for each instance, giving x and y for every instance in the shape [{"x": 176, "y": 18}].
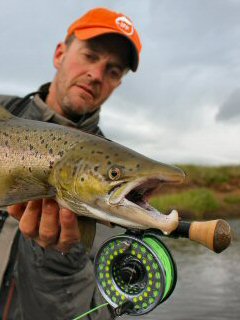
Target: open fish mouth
[
  {"x": 142, "y": 192},
  {"x": 129, "y": 201},
  {"x": 136, "y": 193}
]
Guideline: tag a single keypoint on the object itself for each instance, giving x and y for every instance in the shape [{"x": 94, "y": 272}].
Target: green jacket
[{"x": 49, "y": 285}]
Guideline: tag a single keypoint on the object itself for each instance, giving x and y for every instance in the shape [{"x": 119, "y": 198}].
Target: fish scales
[{"x": 27, "y": 151}]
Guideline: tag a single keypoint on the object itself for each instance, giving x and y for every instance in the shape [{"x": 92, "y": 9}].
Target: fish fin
[
  {"x": 4, "y": 114},
  {"x": 87, "y": 228},
  {"x": 22, "y": 189}
]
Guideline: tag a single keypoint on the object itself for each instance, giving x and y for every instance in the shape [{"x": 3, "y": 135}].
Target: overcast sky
[{"x": 183, "y": 103}]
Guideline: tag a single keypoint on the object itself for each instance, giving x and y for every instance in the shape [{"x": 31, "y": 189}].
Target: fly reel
[{"x": 136, "y": 271}]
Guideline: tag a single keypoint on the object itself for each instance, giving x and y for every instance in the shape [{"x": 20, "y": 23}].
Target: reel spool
[{"x": 139, "y": 271}]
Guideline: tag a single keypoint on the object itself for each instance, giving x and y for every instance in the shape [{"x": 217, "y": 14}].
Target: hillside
[{"x": 208, "y": 192}]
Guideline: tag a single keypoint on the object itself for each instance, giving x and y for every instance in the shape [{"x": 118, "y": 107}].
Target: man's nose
[{"x": 96, "y": 72}]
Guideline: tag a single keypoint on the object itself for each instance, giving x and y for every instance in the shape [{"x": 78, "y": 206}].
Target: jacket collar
[{"x": 84, "y": 122}]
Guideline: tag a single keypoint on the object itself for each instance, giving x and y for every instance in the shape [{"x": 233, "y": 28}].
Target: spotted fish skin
[
  {"x": 90, "y": 175},
  {"x": 28, "y": 151}
]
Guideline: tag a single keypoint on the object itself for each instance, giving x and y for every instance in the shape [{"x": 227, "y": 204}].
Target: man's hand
[{"x": 47, "y": 224}]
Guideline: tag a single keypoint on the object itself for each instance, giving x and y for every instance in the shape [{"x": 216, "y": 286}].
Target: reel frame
[{"x": 130, "y": 271}]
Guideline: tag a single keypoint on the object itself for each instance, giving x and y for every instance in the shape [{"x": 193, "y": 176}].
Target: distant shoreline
[{"x": 207, "y": 193}]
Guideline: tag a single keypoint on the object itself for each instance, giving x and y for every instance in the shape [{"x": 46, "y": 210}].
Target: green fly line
[
  {"x": 166, "y": 260},
  {"x": 90, "y": 311}
]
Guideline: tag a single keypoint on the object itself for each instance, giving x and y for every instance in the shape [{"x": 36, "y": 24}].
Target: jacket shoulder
[{"x": 6, "y": 100}]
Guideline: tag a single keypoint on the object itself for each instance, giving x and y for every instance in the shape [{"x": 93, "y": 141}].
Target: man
[{"x": 53, "y": 277}]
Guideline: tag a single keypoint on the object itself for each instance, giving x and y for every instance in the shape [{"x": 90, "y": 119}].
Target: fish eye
[{"x": 114, "y": 173}]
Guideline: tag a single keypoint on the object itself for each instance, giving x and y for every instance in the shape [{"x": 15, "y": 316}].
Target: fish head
[{"x": 114, "y": 183}]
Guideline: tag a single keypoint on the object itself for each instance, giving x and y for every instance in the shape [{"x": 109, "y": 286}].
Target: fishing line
[
  {"x": 167, "y": 261},
  {"x": 135, "y": 269},
  {"x": 90, "y": 311}
]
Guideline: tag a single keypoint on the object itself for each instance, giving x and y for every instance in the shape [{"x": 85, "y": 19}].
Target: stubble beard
[
  {"x": 72, "y": 105},
  {"x": 72, "y": 109}
]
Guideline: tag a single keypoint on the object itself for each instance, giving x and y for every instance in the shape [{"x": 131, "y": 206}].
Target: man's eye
[
  {"x": 90, "y": 56},
  {"x": 115, "y": 73}
]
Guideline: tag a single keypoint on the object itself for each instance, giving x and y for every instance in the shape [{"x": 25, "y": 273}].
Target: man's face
[{"x": 87, "y": 73}]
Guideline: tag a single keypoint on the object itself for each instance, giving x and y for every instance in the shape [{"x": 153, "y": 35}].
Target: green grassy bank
[{"x": 208, "y": 192}]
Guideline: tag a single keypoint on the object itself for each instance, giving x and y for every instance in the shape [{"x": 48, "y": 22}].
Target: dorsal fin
[{"x": 4, "y": 114}]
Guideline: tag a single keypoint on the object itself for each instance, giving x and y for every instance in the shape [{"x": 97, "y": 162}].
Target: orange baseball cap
[{"x": 101, "y": 21}]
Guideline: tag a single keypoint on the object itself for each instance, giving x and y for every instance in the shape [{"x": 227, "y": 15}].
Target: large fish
[{"x": 90, "y": 175}]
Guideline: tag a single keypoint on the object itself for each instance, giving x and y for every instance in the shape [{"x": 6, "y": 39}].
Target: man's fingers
[
  {"x": 70, "y": 233},
  {"x": 16, "y": 211},
  {"x": 49, "y": 224},
  {"x": 29, "y": 222},
  {"x": 43, "y": 221}
]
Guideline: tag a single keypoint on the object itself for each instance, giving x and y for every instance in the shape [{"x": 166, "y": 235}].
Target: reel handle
[{"x": 213, "y": 234}]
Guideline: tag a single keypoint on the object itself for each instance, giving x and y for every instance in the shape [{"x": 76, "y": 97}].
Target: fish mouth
[
  {"x": 141, "y": 193},
  {"x": 136, "y": 193},
  {"x": 129, "y": 201}
]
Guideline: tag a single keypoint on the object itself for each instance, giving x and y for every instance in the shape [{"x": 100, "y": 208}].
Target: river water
[{"x": 208, "y": 286}]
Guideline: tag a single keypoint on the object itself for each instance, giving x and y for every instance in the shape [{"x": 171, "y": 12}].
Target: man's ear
[{"x": 59, "y": 54}]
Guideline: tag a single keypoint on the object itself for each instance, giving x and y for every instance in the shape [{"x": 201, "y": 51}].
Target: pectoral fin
[{"x": 87, "y": 228}]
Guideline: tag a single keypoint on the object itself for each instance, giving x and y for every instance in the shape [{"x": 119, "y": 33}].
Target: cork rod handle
[{"x": 214, "y": 234}]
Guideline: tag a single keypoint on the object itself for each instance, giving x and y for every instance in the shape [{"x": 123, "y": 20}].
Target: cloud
[
  {"x": 189, "y": 60},
  {"x": 205, "y": 143},
  {"x": 230, "y": 109}
]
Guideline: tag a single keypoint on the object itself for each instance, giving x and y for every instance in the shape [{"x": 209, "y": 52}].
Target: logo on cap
[{"x": 125, "y": 25}]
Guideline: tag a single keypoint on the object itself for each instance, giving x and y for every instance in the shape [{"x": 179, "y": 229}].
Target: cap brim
[{"x": 89, "y": 33}]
